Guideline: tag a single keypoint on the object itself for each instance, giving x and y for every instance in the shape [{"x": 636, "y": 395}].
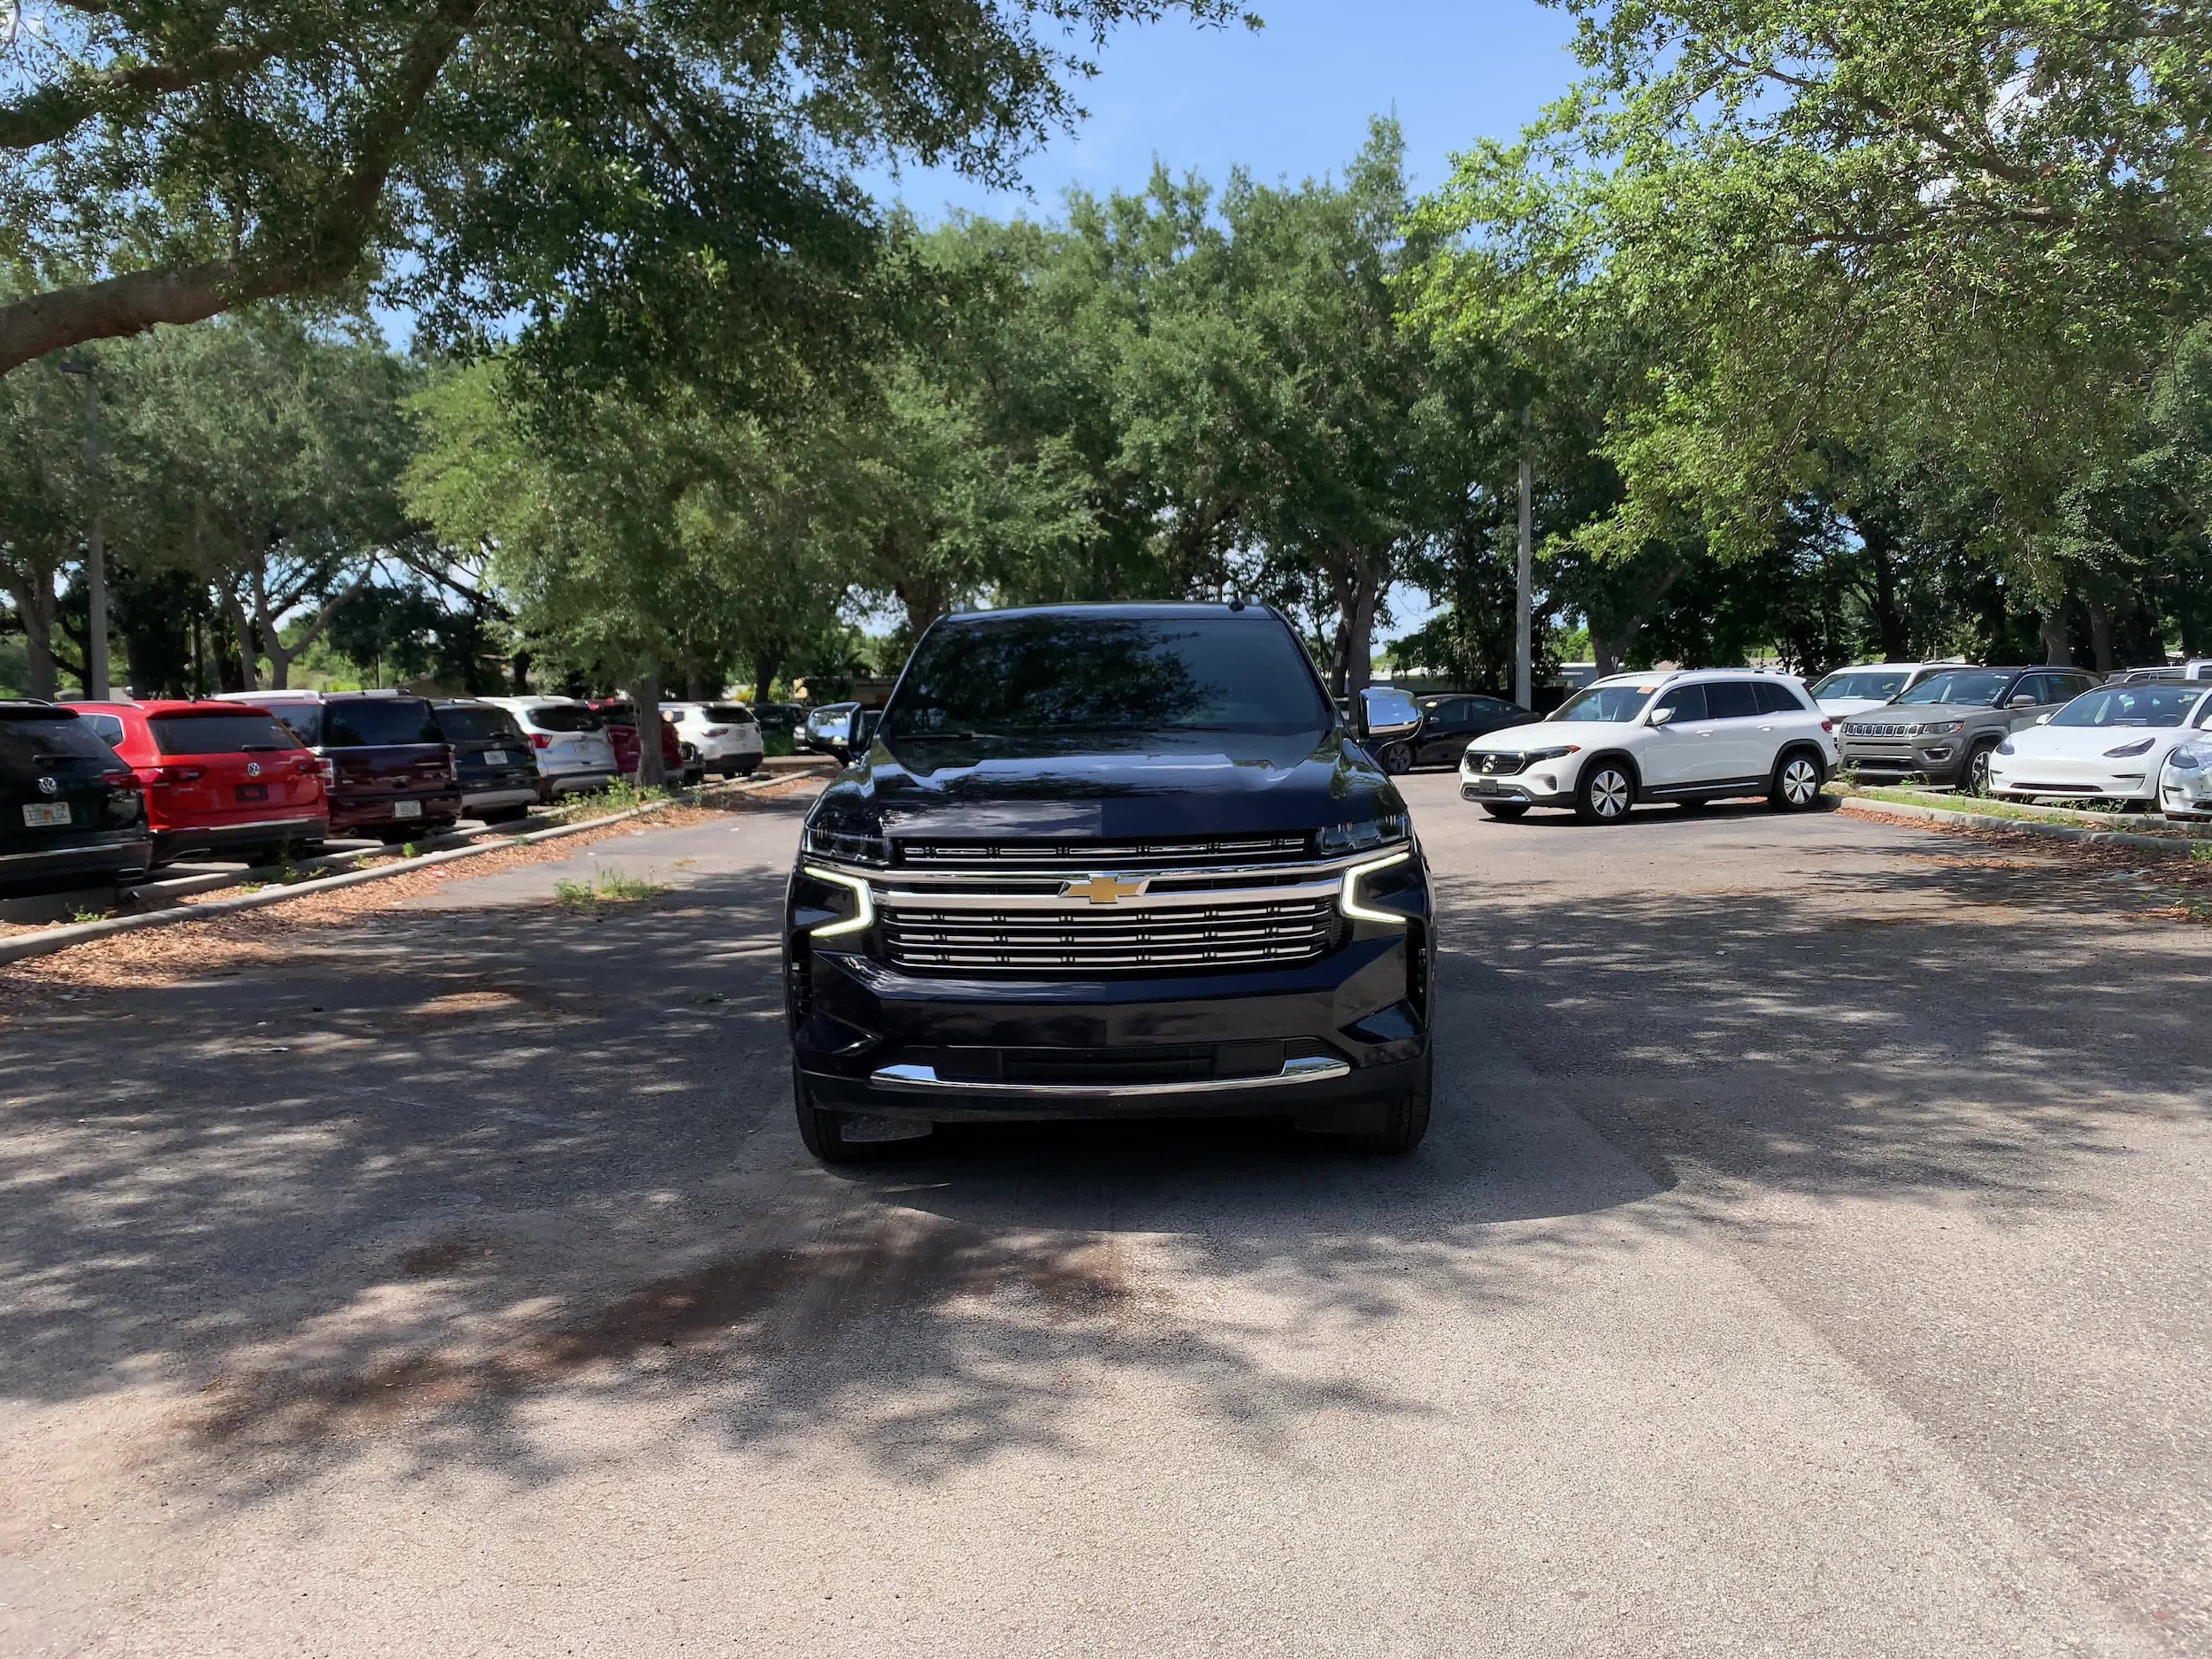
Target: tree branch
[
  {"x": 52, "y": 113},
  {"x": 136, "y": 301}
]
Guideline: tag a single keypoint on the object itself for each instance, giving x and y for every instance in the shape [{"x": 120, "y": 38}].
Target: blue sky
[{"x": 1290, "y": 101}]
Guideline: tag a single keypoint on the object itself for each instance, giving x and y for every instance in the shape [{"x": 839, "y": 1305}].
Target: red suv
[
  {"x": 621, "y": 717},
  {"x": 221, "y": 777},
  {"x": 387, "y": 766}
]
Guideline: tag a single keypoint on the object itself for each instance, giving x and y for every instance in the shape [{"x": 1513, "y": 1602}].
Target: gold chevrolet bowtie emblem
[{"x": 1103, "y": 889}]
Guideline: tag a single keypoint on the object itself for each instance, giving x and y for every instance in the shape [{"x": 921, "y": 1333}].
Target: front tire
[
  {"x": 1975, "y": 778},
  {"x": 1397, "y": 760},
  {"x": 1506, "y": 811},
  {"x": 1796, "y": 785},
  {"x": 1606, "y": 791},
  {"x": 822, "y": 1132},
  {"x": 1409, "y": 1119}
]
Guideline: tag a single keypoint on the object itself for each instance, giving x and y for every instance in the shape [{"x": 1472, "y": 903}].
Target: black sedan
[{"x": 1449, "y": 724}]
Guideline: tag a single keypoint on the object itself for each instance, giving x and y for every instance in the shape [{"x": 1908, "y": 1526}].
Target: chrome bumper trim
[
  {"x": 1187, "y": 899},
  {"x": 924, "y": 1079}
]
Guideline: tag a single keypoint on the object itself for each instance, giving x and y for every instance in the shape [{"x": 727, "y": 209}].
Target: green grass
[
  {"x": 1982, "y": 806},
  {"x": 621, "y": 796},
  {"x": 611, "y": 886}
]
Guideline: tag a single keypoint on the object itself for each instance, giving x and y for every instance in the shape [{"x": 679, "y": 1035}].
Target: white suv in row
[
  {"x": 724, "y": 736},
  {"x": 1683, "y": 737}
]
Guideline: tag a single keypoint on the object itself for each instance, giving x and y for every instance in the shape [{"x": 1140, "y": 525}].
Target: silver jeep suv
[{"x": 1944, "y": 729}]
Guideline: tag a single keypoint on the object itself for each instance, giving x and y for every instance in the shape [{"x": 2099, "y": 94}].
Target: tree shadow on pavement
[{"x": 447, "y": 1171}]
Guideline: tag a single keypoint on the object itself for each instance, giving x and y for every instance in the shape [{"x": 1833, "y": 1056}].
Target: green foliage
[{"x": 609, "y": 886}]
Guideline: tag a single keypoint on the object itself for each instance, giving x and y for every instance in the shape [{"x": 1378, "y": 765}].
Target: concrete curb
[
  {"x": 58, "y": 939},
  {"x": 2174, "y": 846}
]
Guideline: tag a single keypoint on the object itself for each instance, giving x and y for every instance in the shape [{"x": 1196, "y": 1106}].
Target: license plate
[
  {"x": 406, "y": 808},
  {"x": 253, "y": 792},
  {"x": 495, "y": 757},
  {"x": 54, "y": 816},
  {"x": 1483, "y": 786}
]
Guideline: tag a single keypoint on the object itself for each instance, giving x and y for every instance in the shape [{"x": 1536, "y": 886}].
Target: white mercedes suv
[{"x": 1693, "y": 737}]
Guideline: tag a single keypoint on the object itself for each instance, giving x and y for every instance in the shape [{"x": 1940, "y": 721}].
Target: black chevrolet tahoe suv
[{"x": 1110, "y": 860}]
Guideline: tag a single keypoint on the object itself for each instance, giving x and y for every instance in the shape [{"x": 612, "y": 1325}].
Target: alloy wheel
[
  {"x": 1800, "y": 782},
  {"x": 1609, "y": 793}
]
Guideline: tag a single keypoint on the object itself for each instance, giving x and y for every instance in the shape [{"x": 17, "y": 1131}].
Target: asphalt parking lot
[{"x": 1810, "y": 1256}]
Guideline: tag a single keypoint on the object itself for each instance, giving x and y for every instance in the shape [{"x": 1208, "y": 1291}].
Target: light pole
[
  {"x": 1524, "y": 668},
  {"x": 96, "y": 563}
]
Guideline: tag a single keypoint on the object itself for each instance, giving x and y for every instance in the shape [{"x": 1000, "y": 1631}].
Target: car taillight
[
  {"x": 329, "y": 769},
  {"x": 171, "y": 774},
  {"x": 307, "y": 765},
  {"x": 717, "y": 731},
  {"x": 1827, "y": 726},
  {"x": 539, "y": 740}
]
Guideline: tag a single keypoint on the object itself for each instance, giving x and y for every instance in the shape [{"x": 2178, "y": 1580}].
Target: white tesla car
[
  {"x": 2185, "y": 790},
  {"x": 2111, "y": 743}
]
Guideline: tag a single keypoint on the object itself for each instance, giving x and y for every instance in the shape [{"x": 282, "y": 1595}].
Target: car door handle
[{"x": 1766, "y": 728}]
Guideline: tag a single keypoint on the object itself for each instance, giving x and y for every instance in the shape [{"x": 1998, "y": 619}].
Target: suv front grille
[
  {"x": 1049, "y": 943},
  {"x": 1877, "y": 728},
  {"x": 1495, "y": 765},
  {"x": 1081, "y": 858}
]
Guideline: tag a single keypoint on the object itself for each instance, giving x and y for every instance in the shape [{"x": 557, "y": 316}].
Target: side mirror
[
  {"x": 2042, "y": 719},
  {"x": 1659, "y": 716},
  {"x": 2024, "y": 701}
]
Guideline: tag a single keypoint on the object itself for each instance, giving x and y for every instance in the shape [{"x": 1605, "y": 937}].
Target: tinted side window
[
  {"x": 107, "y": 725},
  {"x": 1687, "y": 702},
  {"x": 1730, "y": 700},
  {"x": 1777, "y": 698},
  {"x": 34, "y": 741},
  {"x": 2035, "y": 685}
]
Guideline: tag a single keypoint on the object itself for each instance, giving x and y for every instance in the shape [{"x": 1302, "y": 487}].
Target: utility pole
[
  {"x": 96, "y": 562},
  {"x": 1523, "y": 667}
]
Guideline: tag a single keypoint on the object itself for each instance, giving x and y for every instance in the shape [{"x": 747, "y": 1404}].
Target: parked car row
[
  {"x": 2023, "y": 732},
  {"x": 99, "y": 792}
]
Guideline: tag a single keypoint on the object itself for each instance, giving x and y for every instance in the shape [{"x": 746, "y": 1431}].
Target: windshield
[
  {"x": 219, "y": 733},
  {"x": 379, "y": 723},
  {"x": 1877, "y": 686},
  {"x": 1074, "y": 673},
  {"x": 1978, "y": 688},
  {"x": 1613, "y": 705},
  {"x": 2130, "y": 705}
]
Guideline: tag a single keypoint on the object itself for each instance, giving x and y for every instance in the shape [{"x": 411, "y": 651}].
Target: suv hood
[
  {"x": 1199, "y": 783},
  {"x": 1921, "y": 713},
  {"x": 1519, "y": 740}
]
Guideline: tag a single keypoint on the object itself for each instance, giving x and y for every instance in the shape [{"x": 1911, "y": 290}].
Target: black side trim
[{"x": 1710, "y": 785}]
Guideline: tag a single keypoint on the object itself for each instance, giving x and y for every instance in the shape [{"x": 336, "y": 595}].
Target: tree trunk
[
  {"x": 1889, "y": 622},
  {"x": 2058, "y": 651},
  {"x": 521, "y": 665},
  {"x": 1358, "y": 596},
  {"x": 35, "y": 609},
  {"x": 652, "y": 770},
  {"x": 2100, "y": 637},
  {"x": 766, "y": 666},
  {"x": 248, "y": 659}
]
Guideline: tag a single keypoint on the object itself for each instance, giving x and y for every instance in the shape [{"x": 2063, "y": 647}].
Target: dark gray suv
[{"x": 1945, "y": 729}]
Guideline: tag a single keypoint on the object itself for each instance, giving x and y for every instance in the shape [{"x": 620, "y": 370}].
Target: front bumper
[
  {"x": 441, "y": 807},
  {"x": 1874, "y": 760},
  {"x": 2031, "y": 779},
  {"x": 1328, "y": 1041},
  {"x": 559, "y": 783}
]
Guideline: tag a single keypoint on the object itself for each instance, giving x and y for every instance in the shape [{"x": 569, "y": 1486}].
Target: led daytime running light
[
  {"x": 863, "y": 916},
  {"x": 1348, "y": 900}
]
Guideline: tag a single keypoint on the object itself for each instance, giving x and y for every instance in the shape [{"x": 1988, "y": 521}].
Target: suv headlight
[
  {"x": 1529, "y": 757},
  {"x": 1339, "y": 839},
  {"x": 1937, "y": 729},
  {"x": 864, "y": 903},
  {"x": 1348, "y": 899},
  {"x": 848, "y": 842}
]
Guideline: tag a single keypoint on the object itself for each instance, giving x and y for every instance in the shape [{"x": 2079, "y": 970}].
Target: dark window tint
[
  {"x": 1110, "y": 673},
  {"x": 564, "y": 716},
  {"x": 219, "y": 733},
  {"x": 729, "y": 714},
  {"x": 1777, "y": 698},
  {"x": 107, "y": 725},
  {"x": 32, "y": 742},
  {"x": 1732, "y": 700},
  {"x": 1976, "y": 688},
  {"x": 473, "y": 725},
  {"x": 379, "y": 723},
  {"x": 302, "y": 720},
  {"x": 1687, "y": 702}
]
